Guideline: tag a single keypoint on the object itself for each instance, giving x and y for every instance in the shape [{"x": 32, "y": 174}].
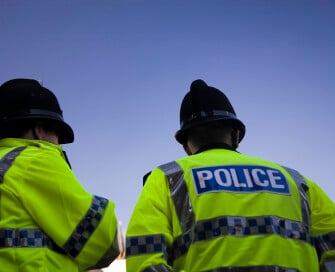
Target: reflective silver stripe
[
  {"x": 179, "y": 194},
  {"x": 254, "y": 269},
  {"x": 158, "y": 268},
  {"x": 303, "y": 188},
  {"x": 239, "y": 226},
  {"x": 109, "y": 256},
  {"x": 86, "y": 226},
  {"x": 27, "y": 238},
  {"x": 324, "y": 243},
  {"x": 7, "y": 161},
  {"x": 329, "y": 266}
]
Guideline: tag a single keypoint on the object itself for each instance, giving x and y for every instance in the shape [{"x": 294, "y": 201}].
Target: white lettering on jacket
[{"x": 239, "y": 178}]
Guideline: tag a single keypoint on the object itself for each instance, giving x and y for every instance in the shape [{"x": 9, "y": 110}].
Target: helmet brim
[
  {"x": 65, "y": 132},
  {"x": 181, "y": 135}
]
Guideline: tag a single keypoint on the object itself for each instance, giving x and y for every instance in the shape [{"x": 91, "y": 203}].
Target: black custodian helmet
[
  {"x": 204, "y": 104},
  {"x": 27, "y": 99}
]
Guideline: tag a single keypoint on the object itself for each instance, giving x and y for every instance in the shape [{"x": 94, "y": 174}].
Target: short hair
[
  {"x": 17, "y": 128},
  {"x": 213, "y": 132}
]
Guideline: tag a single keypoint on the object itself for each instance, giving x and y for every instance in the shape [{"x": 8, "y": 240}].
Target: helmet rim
[
  {"x": 180, "y": 135},
  {"x": 66, "y": 133},
  {"x": 23, "y": 99}
]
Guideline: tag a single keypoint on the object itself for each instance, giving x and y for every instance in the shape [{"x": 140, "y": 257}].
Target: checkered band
[
  {"x": 86, "y": 226},
  {"x": 182, "y": 244},
  {"x": 239, "y": 226},
  {"x": 145, "y": 245},
  {"x": 26, "y": 238},
  {"x": 325, "y": 243}
]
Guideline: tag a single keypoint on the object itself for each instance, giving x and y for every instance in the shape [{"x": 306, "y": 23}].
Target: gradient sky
[{"x": 121, "y": 68}]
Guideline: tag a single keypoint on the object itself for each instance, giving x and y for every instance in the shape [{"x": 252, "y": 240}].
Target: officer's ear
[
  {"x": 38, "y": 126},
  {"x": 37, "y": 131}
]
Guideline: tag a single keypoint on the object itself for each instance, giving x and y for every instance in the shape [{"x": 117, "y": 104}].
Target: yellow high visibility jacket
[
  {"x": 48, "y": 221},
  {"x": 220, "y": 210}
]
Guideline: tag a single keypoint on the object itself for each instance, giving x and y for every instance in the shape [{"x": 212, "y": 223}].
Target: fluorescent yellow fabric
[
  {"x": 155, "y": 214},
  {"x": 40, "y": 191}
]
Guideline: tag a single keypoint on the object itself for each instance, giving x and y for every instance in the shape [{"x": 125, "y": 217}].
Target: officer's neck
[
  {"x": 192, "y": 149},
  {"x": 214, "y": 146}
]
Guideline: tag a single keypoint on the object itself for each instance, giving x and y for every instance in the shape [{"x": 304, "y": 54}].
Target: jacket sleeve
[
  {"x": 149, "y": 232},
  {"x": 82, "y": 224},
  {"x": 323, "y": 225}
]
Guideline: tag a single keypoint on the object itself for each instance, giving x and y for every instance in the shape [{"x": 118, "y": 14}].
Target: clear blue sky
[{"x": 121, "y": 68}]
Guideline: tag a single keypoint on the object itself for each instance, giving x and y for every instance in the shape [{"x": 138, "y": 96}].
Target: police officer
[
  {"x": 48, "y": 221},
  {"x": 219, "y": 210}
]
